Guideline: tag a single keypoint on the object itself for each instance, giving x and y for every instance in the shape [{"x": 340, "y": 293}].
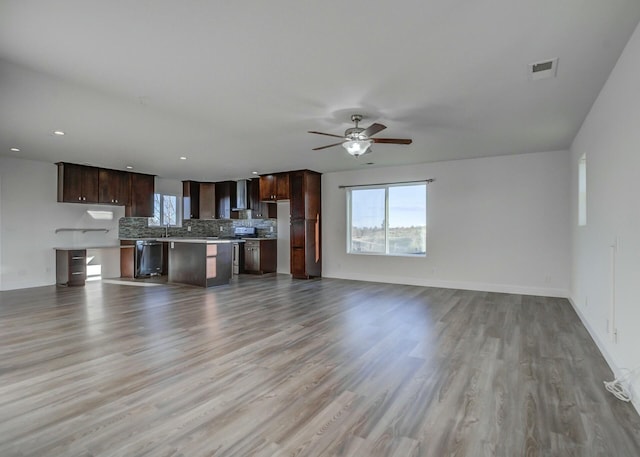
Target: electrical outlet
[
  {"x": 188, "y": 228},
  {"x": 221, "y": 228}
]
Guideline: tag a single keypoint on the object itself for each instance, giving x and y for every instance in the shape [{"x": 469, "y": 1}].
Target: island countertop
[{"x": 199, "y": 240}]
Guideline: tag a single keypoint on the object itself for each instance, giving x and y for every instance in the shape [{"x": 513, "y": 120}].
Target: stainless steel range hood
[{"x": 241, "y": 195}]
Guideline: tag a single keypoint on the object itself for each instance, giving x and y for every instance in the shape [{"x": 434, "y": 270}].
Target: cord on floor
[{"x": 621, "y": 387}]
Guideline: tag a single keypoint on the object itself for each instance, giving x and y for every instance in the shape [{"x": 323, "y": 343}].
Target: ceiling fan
[{"x": 357, "y": 141}]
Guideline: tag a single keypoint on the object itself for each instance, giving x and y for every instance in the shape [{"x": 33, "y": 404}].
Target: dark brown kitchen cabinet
[
  {"x": 282, "y": 186},
  {"x": 260, "y": 256},
  {"x": 127, "y": 259},
  {"x": 305, "y": 230},
  {"x": 259, "y": 209},
  {"x": 274, "y": 187},
  {"x": 71, "y": 267},
  {"x": 226, "y": 197},
  {"x": 200, "y": 264},
  {"x": 85, "y": 184},
  {"x": 207, "y": 202},
  {"x": 77, "y": 183},
  {"x": 141, "y": 190},
  {"x": 268, "y": 187},
  {"x": 114, "y": 187},
  {"x": 190, "y": 200},
  {"x": 198, "y": 200}
]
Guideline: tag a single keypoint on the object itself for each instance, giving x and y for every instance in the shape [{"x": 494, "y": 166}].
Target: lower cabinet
[
  {"x": 200, "y": 264},
  {"x": 71, "y": 267},
  {"x": 127, "y": 259},
  {"x": 260, "y": 256}
]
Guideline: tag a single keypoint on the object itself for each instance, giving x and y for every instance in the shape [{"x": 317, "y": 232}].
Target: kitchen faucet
[{"x": 166, "y": 230}]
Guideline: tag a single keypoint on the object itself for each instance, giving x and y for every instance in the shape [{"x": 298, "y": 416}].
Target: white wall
[
  {"x": 610, "y": 137},
  {"x": 29, "y": 217},
  {"x": 495, "y": 224},
  {"x": 1, "y": 269}
]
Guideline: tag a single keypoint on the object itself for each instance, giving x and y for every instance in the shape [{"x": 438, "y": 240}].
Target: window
[
  {"x": 165, "y": 210},
  {"x": 582, "y": 190},
  {"x": 387, "y": 219}
]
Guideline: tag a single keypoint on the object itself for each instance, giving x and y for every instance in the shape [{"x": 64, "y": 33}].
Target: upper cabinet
[
  {"x": 259, "y": 209},
  {"x": 141, "y": 189},
  {"x": 282, "y": 186},
  {"x": 77, "y": 183},
  {"x": 226, "y": 196},
  {"x": 190, "y": 200},
  {"x": 114, "y": 187},
  {"x": 274, "y": 187},
  {"x": 85, "y": 184},
  {"x": 207, "y": 202},
  {"x": 198, "y": 200},
  {"x": 267, "y": 187}
]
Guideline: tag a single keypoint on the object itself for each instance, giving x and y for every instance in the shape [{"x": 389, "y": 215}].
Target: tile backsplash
[{"x": 138, "y": 227}]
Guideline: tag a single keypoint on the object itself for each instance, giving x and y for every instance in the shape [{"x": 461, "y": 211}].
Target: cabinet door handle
[
  {"x": 77, "y": 273},
  {"x": 80, "y": 198},
  {"x": 76, "y": 258}
]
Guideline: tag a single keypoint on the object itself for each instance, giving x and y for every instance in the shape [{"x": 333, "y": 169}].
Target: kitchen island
[{"x": 203, "y": 262}]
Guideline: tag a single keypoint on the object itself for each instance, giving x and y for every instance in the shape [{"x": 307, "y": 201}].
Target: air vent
[{"x": 543, "y": 69}]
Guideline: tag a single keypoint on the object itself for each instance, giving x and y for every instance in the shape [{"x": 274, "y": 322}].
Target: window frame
[
  {"x": 178, "y": 214},
  {"x": 386, "y": 188}
]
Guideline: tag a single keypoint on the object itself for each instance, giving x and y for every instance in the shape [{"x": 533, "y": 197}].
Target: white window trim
[
  {"x": 178, "y": 212},
  {"x": 386, "y": 221}
]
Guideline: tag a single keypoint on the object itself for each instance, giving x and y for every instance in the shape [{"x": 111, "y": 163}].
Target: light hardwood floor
[{"x": 275, "y": 367}]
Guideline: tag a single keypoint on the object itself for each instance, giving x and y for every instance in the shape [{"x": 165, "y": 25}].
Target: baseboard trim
[
  {"x": 603, "y": 350},
  {"x": 478, "y": 286}
]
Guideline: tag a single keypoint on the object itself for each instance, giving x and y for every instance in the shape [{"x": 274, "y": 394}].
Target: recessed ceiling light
[
  {"x": 183, "y": 158},
  {"x": 254, "y": 172},
  {"x": 15, "y": 150},
  {"x": 129, "y": 167},
  {"x": 58, "y": 132}
]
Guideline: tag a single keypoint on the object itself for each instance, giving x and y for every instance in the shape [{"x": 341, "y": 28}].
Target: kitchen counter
[
  {"x": 205, "y": 240},
  {"x": 76, "y": 248}
]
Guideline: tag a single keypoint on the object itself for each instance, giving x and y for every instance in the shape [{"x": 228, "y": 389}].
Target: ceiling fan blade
[
  {"x": 327, "y": 134},
  {"x": 327, "y": 146},
  {"x": 373, "y": 129},
  {"x": 392, "y": 140}
]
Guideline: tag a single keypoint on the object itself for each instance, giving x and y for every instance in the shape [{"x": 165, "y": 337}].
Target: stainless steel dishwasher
[{"x": 148, "y": 258}]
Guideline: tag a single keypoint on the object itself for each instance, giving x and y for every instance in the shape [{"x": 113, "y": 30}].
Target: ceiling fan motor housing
[{"x": 354, "y": 133}]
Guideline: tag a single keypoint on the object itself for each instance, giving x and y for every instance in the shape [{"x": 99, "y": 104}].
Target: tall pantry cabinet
[{"x": 305, "y": 186}]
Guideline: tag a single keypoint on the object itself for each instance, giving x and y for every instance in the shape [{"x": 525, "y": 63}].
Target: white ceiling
[{"x": 235, "y": 85}]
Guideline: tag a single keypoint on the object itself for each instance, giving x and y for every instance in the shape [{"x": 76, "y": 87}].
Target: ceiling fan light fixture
[{"x": 357, "y": 147}]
